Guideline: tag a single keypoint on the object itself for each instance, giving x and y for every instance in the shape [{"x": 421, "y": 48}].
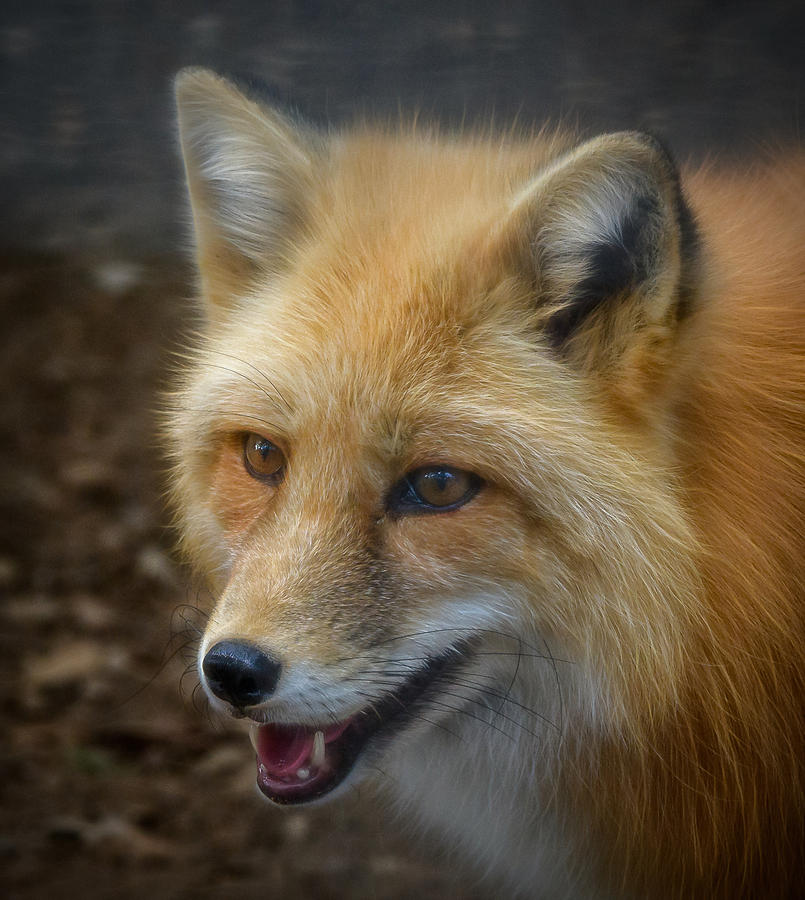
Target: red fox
[{"x": 491, "y": 450}]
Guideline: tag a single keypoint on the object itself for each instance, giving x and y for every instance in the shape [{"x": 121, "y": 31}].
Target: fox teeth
[
  {"x": 303, "y": 774},
  {"x": 317, "y": 757},
  {"x": 253, "y": 729}
]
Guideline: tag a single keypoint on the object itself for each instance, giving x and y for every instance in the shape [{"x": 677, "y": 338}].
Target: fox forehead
[{"x": 396, "y": 359}]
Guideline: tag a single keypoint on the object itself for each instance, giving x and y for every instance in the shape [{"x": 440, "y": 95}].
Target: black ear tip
[
  {"x": 199, "y": 83},
  {"x": 193, "y": 80},
  {"x": 657, "y": 143},
  {"x": 652, "y": 142}
]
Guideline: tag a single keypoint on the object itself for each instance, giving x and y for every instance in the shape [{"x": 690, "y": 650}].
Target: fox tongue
[{"x": 283, "y": 749}]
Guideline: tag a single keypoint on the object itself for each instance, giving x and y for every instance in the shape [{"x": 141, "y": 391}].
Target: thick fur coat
[{"x": 610, "y": 357}]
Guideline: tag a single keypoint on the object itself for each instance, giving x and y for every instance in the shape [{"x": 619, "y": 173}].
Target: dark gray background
[{"x": 87, "y": 158}]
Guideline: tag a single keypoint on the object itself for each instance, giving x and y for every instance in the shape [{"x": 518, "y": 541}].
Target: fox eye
[
  {"x": 262, "y": 459},
  {"x": 433, "y": 489}
]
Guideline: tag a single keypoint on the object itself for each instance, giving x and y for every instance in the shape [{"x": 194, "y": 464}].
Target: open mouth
[{"x": 298, "y": 763}]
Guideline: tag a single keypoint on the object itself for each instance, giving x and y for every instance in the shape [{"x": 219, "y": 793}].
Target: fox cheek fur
[{"x": 494, "y": 460}]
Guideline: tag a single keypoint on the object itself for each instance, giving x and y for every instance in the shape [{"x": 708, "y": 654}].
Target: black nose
[{"x": 240, "y": 673}]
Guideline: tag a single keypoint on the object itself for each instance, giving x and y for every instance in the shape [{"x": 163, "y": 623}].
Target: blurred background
[{"x": 116, "y": 782}]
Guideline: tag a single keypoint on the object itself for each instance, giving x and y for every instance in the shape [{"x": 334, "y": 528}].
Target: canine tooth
[
  {"x": 303, "y": 773},
  {"x": 317, "y": 757},
  {"x": 253, "y": 729}
]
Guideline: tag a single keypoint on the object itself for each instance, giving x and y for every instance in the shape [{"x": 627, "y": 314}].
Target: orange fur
[{"x": 643, "y": 511}]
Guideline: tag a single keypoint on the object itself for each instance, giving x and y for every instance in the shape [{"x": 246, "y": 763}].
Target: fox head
[{"x": 420, "y": 448}]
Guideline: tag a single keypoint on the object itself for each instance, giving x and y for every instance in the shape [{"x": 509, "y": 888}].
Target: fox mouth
[{"x": 298, "y": 763}]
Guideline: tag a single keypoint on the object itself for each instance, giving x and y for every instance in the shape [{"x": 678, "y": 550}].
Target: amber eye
[
  {"x": 433, "y": 489},
  {"x": 263, "y": 459}
]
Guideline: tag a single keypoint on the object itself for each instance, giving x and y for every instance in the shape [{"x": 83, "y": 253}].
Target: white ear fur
[{"x": 249, "y": 171}]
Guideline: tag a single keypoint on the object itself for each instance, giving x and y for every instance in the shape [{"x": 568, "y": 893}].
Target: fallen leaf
[
  {"x": 114, "y": 836},
  {"x": 66, "y": 663}
]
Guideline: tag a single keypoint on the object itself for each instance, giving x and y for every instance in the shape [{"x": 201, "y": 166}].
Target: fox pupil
[
  {"x": 262, "y": 458},
  {"x": 438, "y": 481}
]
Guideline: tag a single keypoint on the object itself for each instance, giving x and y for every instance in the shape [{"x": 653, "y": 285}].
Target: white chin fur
[{"x": 461, "y": 763}]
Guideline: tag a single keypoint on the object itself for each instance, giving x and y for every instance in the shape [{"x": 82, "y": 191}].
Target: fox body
[{"x": 491, "y": 452}]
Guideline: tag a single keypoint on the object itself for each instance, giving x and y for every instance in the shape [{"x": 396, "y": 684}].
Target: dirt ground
[{"x": 116, "y": 780}]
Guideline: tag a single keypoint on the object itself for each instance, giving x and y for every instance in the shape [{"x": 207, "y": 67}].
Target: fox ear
[
  {"x": 249, "y": 173},
  {"x": 611, "y": 243}
]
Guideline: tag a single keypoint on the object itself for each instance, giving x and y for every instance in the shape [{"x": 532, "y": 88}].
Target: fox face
[{"x": 422, "y": 455}]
